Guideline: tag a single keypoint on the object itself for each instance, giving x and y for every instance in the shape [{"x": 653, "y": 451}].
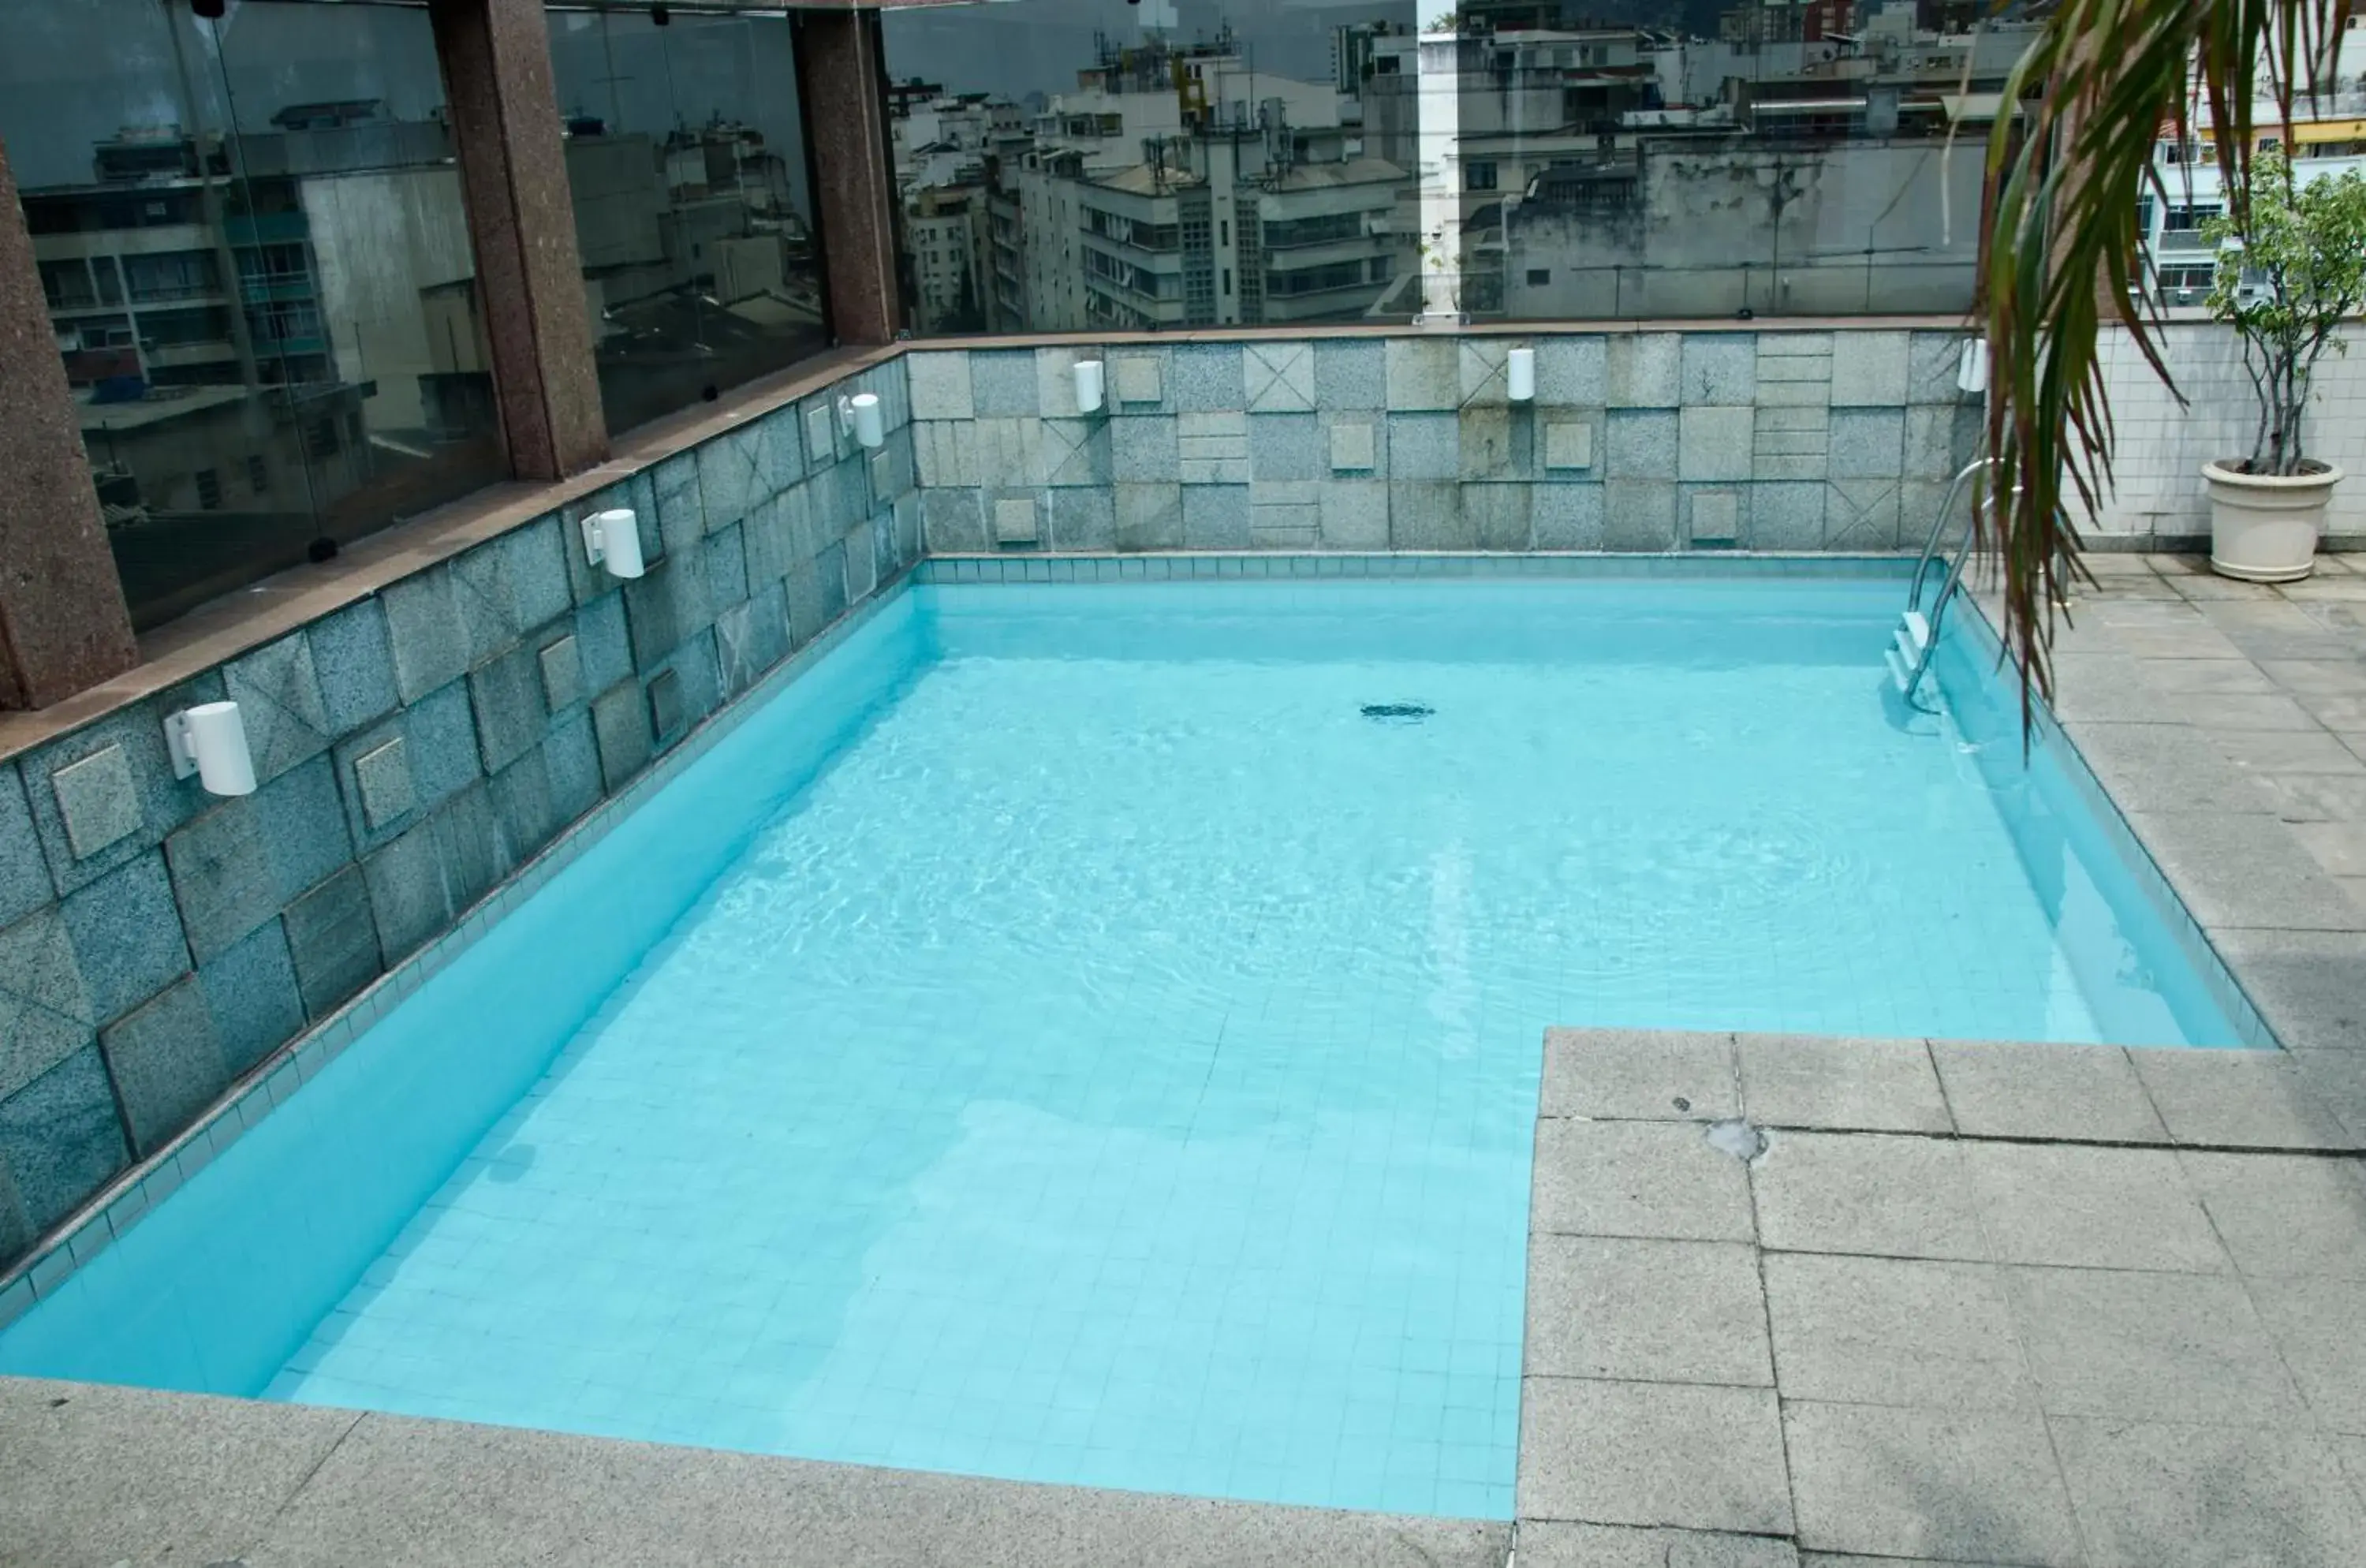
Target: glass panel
[
  {"x": 694, "y": 209},
  {"x": 1510, "y": 158},
  {"x": 251, "y": 242}
]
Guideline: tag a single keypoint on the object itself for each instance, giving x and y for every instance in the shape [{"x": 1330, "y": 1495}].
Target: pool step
[
  {"x": 1917, "y": 630},
  {"x": 1908, "y": 642},
  {"x": 1901, "y": 673}
]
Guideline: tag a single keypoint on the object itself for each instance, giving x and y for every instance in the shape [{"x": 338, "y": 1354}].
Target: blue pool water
[{"x": 1062, "y": 1036}]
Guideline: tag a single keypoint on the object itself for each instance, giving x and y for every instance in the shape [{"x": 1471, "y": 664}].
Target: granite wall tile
[
  {"x": 1350, "y": 374},
  {"x": 166, "y": 1064},
  {"x": 251, "y": 997},
  {"x": 61, "y": 1138},
  {"x": 164, "y": 802},
  {"x": 354, "y": 662},
  {"x": 127, "y": 937},
  {"x": 332, "y": 942},
  {"x": 1149, "y": 516},
  {"x": 24, "y": 877},
  {"x": 45, "y": 1008}
]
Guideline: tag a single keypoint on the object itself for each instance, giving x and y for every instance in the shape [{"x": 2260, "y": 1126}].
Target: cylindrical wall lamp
[
  {"x": 613, "y": 539},
  {"x": 1520, "y": 374},
  {"x": 210, "y": 740},
  {"x": 1972, "y": 369},
  {"x": 868, "y": 428},
  {"x": 1088, "y": 386}
]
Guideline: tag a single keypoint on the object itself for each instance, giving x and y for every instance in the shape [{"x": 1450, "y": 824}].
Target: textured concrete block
[
  {"x": 1083, "y": 519},
  {"x": 726, "y": 566},
  {"x": 2315, "y": 1326},
  {"x": 1426, "y": 515},
  {"x": 1867, "y": 443},
  {"x": 1285, "y": 446},
  {"x": 940, "y": 385},
  {"x": 2182, "y": 1496},
  {"x": 1478, "y": 364},
  {"x": 468, "y": 847},
  {"x": 1215, "y": 517},
  {"x": 353, "y": 663},
  {"x": 620, "y": 723},
  {"x": 1719, "y": 368},
  {"x": 98, "y": 800},
  {"x": 2236, "y": 1098},
  {"x": 666, "y": 606},
  {"x": 1869, "y": 369},
  {"x": 1639, "y": 515},
  {"x": 1002, "y": 383},
  {"x": 730, "y": 479},
  {"x": 945, "y": 452},
  {"x": 1278, "y": 376},
  {"x": 1350, "y": 374},
  {"x": 1076, "y": 452},
  {"x": 680, "y": 509},
  {"x": 571, "y": 756},
  {"x": 1424, "y": 374},
  {"x": 1860, "y": 514},
  {"x": 332, "y": 942},
  {"x": 1712, "y": 443},
  {"x": 165, "y": 801},
  {"x": 1791, "y": 443},
  {"x": 1206, "y": 376},
  {"x": 2281, "y": 1216},
  {"x": 1569, "y": 443},
  {"x": 1142, "y": 449},
  {"x": 1149, "y": 516},
  {"x": 2001, "y": 1090},
  {"x": 751, "y": 637},
  {"x": 1640, "y": 1453},
  {"x": 534, "y": 567},
  {"x": 1938, "y": 441},
  {"x": 667, "y": 712},
  {"x": 506, "y": 697},
  {"x": 1055, "y": 382},
  {"x": 522, "y": 806},
  {"x": 1014, "y": 521},
  {"x": 1563, "y": 1545},
  {"x": 1902, "y": 1196},
  {"x": 1858, "y": 1085},
  {"x": 822, "y": 436},
  {"x": 221, "y": 872},
  {"x": 1637, "y": 1178},
  {"x": 279, "y": 702},
  {"x": 45, "y": 1008},
  {"x": 24, "y": 883},
  {"x": 1712, "y": 515},
  {"x": 1786, "y": 516},
  {"x": 251, "y": 993},
  {"x": 1643, "y": 370},
  {"x": 2150, "y": 1347},
  {"x": 816, "y": 595},
  {"x": 422, "y": 621},
  {"x": 165, "y": 1063},
  {"x": 127, "y": 937},
  {"x": 1968, "y": 1485},
  {"x": 1285, "y": 514},
  {"x": 382, "y": 778},
  {"x": 1568, "y": 516},
  {"x": 1932, "y": 362},
  {"x": 2090, "y": 1208},
  {"x": 784, "y": 446},
  {"x": 1353, "y": 449},
  {"x": 406, "y": 891},
  {"x": 602, "y": 643},
  {"x": 1895, "y": 1331},
  {"x": 1646, "y": 1312},
  {"x": 60, "y": 1137},
  {"x": 1642, "y": 444},
  {"x": 1495, "y": 516},
  {"x": 1213, "y": 447},
  {"x": 1010, "y": 455},
  {"x": 1638, "y": 1075},
  {"x": 562, "y": 672},
  {"x": 1572, "y": 371},
  {"x": 1139, "y": 377},
  {"x": 1353, "y": 515},
  {"x": 1423, "y": 445},
  {"x": 1494, "y": 443},
  {"x": 953, "y": 520}
]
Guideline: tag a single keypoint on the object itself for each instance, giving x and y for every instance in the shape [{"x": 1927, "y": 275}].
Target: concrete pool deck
[{"x": 1972, "y": 1303}]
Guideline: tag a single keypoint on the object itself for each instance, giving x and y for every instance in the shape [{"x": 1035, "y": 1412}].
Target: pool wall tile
[{"x": 760, "y": 540}]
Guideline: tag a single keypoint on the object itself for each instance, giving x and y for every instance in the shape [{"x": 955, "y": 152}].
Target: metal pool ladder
[{"x": 1916, "y": 636}]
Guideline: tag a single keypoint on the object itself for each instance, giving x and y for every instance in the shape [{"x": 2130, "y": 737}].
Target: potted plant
[{"x": 2291, "y": 266}]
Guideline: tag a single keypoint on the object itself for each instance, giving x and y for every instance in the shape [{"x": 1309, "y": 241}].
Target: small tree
[{"x": 2291, "y": 265}]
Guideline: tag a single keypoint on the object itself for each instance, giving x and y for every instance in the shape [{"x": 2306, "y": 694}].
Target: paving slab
[
  {"x": 2309, "y": 986},
  {"x": 2150, "y": 1347},
  {"x": 2161, "y": 1496},
  {"x": 1646, "y": 1453},
  {"x": 2282, "y": 1214},
  {"x": 1900, "y": 1197},
  {"x": 1807, "y": 1080},
  {"x": 1637, "y": 1178},
  {"x": 1548, "y": 1545},
  {"x": 2319, "y": 1324},
  {"x": 1639, "y": 1074},
  {"x": 1895, "y": 1331},
  {"x": 1646, "y": 1310},
  {"x": 2004, "y": 1090},
  {"x": 2238, "y": 1099},
  {"x": 1978, "y": 1485},
  {"x": 2092, "y": 1208}
]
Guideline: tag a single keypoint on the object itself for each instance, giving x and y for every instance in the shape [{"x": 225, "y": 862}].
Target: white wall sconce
[
  {"x": 1088, "y": 386},
  {"x": 613, "y": 539},
  {"x": 1972, "y": 369},
  {"x": 1520, "y": 374},
  {"x": 863, "y": 418},
  {"x": 210, "y": 740}
]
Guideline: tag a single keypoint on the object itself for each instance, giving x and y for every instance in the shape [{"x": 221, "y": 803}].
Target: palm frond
[{"x": 2105, "y": 81}]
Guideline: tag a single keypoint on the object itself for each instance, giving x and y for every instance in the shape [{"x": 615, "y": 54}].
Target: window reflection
[
  {"x": 1066, "y": 166},
  {"x": 250, "y": 241},
  {"x": 693, "y": 206}
]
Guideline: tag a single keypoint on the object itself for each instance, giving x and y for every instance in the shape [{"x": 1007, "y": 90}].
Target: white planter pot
[{"x": 2264, "y": 527}]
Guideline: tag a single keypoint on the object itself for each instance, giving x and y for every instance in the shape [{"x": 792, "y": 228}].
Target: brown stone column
[
  {"x": 496, "y": 56},
  {"x": 841, "y": 74},
  {"x": 63, "y": 626}
]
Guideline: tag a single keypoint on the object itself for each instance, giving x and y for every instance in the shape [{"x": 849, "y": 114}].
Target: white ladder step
[
  {"x": 1902, "y": 642},
  {"x": 1901, "y": 673},
  {"x": 1917, "y": 630}
]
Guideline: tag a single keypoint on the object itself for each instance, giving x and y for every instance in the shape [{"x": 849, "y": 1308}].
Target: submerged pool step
[{"x": 1908, "y": 642}]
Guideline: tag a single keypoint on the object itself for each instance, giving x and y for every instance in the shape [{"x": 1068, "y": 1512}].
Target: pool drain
[{"x": 1397, "y": 713}]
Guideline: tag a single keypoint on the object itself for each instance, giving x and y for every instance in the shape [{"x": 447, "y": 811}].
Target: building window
[
  {"x": 693, "y": 211},
  {"x": 261, "y": 267},
  {"x": 1479, "y": 174},
  {"x": 1539, "y": 276},
  {"x": 320, "y": 439}
]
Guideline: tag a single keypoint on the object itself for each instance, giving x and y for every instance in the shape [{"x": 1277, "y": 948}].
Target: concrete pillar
[
  {"x": 496, "y": 58},
  {"x": 63, "y": 625},
  {"x": 841, "y": 75}
]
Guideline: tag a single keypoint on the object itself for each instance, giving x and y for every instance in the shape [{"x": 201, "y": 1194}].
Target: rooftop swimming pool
[{"x": 1090, "y": 1032}]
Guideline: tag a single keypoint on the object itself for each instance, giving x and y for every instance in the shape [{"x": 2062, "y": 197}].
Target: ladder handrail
[{"x": 1938, "y": 524}]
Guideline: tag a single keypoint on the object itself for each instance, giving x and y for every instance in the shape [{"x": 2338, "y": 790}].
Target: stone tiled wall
[
  {"x": 1647, "y": 441},
  {"x": 414, "y": 748}
]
